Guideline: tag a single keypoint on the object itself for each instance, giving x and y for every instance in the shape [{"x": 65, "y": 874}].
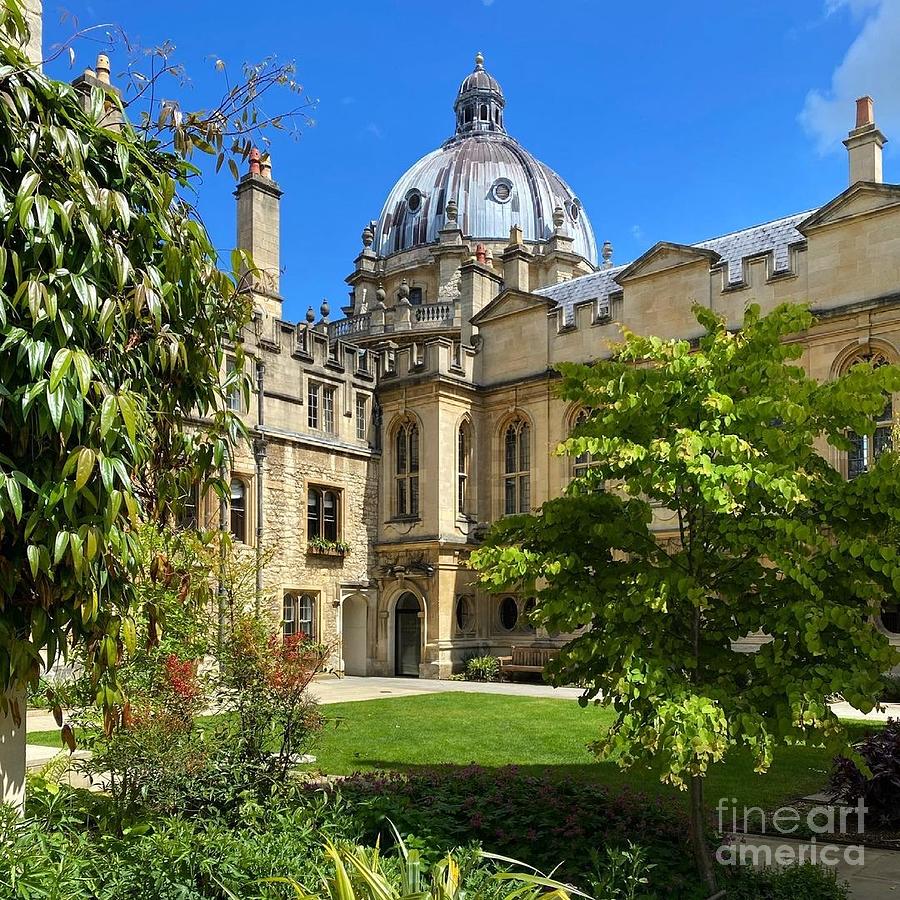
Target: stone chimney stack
[
  {"x": 864, "y": 145},
  {"x": 516, "y": 262},
  {"x": 259, "y": 228}
]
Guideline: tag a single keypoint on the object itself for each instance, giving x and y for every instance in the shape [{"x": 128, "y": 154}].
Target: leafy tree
[
  {"x": 114, "y": 318},
  {"x": 711, "y": 514}
]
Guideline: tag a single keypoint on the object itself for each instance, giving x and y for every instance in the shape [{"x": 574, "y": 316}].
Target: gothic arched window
[
  {"x": 406, "y": 470},
  {"x": 517, "y": 468},
  {"x": 463, "y": 468},
  {"x": 586, "y": 460},
  {"x": 866, "y": 448}
]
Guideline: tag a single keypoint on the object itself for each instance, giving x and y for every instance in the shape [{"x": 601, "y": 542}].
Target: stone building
[{"x": 387, "y": 441}]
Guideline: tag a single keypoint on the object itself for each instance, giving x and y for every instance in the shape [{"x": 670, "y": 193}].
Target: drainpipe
[
  {"x": 259, "y": 447},
  {"x": 223, "y": 528}
]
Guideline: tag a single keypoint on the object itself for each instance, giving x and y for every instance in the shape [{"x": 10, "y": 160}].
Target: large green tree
[
  {"x": 720, "y": 440},
  {"x": 114, "y": 321}
]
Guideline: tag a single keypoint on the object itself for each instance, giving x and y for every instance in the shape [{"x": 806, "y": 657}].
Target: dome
[{"x": 495, "y": 182}]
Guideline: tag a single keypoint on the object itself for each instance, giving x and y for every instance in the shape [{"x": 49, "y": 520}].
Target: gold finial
[{"x": 479, "y": 60}]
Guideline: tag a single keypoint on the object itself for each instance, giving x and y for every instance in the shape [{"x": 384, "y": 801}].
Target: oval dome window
[
  {"x": 502, "y": 190},
  {"x": 414, "y": 201}
]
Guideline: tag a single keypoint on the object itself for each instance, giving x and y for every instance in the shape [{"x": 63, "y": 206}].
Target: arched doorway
[
  {"x": 354, "y": 635},
  {"x": 407, "y": 636}
]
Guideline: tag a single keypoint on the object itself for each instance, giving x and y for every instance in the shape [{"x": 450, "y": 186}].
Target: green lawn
[{"x": 541, "y": 735}]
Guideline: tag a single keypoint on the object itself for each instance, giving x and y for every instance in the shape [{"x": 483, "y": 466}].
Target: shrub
[
  {"x": 483, "y": 668},
  {"x": 890, "y": 692},
  {"x": 547, "y": 822},
  {"x": 64, "y": 851},
  {"x": 880, "y": 791},
  {"x": 143, "y": 759},
  {"x": 805, "y": 882},
  {"x": 265, "y": 681}
]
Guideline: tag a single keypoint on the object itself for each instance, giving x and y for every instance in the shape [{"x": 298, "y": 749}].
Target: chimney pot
[
  {"x": 103, "y": 68},
  {"x": 865, "y": 112},
  {"x": 254, "y": 161},
  {"x": 265, "y": 166},
  {"x": 864, "y": 145}
]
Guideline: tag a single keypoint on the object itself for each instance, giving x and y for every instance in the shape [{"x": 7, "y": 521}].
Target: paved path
[
  {"x": 349, "y": 688},
  {"x": 877, "y": 878}
]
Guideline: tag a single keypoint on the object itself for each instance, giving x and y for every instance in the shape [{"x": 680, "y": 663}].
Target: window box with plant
[{"x": 325, "y": 547}]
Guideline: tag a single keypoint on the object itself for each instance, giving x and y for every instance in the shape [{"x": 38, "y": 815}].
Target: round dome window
[
  {"x": 574, "y": 209},
  {"x": 502, "y": 190},
  {"x": 414, "y": 200}
]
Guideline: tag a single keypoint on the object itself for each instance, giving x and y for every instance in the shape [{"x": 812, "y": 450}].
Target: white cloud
[
  {"x": 870, "y": 66},
  {"x": 488, "y": 2},
  {"x": 857, "y": 7},
  {"x": 637, "y": 232}
]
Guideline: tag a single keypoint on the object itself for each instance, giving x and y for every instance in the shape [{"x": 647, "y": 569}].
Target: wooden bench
[{"x": 527, "y": 659}]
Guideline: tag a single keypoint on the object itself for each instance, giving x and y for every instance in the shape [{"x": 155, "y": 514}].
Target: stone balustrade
[{"x": 399, "y": 318}]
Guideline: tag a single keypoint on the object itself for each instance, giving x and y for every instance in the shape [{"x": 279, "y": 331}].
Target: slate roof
[
  {"x": 776, "y": 237},
  {"x": 596, "y": 286}
]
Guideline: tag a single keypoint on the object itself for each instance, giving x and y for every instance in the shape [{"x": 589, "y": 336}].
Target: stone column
[
  {"x": 12, "y": 755},
  {"x": 34, "y": 48}
]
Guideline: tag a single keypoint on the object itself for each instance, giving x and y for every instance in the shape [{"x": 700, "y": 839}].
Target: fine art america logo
[{"x": 801, "y": 826}]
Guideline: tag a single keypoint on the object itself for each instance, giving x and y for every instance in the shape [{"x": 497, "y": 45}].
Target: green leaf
[
  {"x": 129, "y": 635},
  {"x": 15, "y": 497},
  {"x": 34, "y": 560},
  {"x": 83, "y": 368},
  {"x": 55, "y": 405},
  {"x": 126, "y": 407},
  {"x": 107, "y": 414},
  {"x": 86, "y": 458},
  {"x": 59, "y": 546}
]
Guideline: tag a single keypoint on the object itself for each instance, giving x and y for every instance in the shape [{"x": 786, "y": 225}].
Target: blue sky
[{"x": 671, "y": 121}]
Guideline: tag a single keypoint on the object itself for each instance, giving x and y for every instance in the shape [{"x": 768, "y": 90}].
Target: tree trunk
[
  {"x": 703, "y": 857},
  {"x": 12, "y": 755}
]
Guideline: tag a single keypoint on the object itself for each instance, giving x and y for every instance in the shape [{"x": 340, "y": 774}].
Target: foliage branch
[
  {"x": 711, "y": 514},
  {"x": 114, "y": 319}
]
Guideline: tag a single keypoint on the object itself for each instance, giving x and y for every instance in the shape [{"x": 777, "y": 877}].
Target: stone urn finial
[
  {"x": 559, "y": 216},
  {"x": 607, "y": 253},
  {"x": 452, "y": 210},
  {"x": 310, "y": 315},
  {"x": 403, "y": 291},
  {"x": 324, "y": 309},
  {"x": 368, "y": 236},
  {"x": 379, "y": 297}
]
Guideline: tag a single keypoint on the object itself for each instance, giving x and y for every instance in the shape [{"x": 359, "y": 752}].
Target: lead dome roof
[{"x": 495, "y": 182}]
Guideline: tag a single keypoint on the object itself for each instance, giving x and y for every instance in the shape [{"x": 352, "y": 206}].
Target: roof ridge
[
  {"x": 549, "y": 287},
  {"x": 779, "y": 221}
]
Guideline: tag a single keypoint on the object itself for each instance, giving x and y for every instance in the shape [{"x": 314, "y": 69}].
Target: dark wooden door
[{"x": 408, "y": 637}]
